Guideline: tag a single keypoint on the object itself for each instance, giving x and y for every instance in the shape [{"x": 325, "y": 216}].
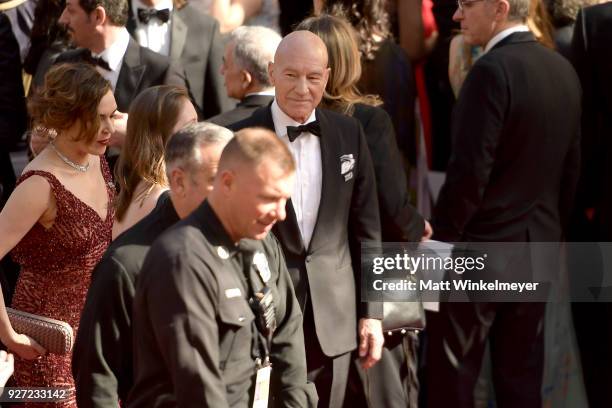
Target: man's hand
[
  {"x": 371, "y": 340},
  {"x": 120, "y": 123},
  {"x": 427, "y": 232},
  {"x": 7, "y": 366}
]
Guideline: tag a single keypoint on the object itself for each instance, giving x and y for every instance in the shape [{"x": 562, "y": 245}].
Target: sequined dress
[{"x": 56, "y": 266}]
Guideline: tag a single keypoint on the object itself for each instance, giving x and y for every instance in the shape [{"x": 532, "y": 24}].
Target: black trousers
[
  {"x": 457, "y": 337},
  {"x": 329, "y": 374}
]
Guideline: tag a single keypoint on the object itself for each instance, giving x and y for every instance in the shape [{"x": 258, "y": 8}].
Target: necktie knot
[
  {"x": 145, "y": 15},
  {"x": 294, "y": 131}
]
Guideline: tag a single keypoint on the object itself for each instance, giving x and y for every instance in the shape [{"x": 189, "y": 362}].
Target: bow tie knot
[
  {"x": 99, "y": 61},
  {"x": 294, "y": 131},
  {"x": 145, "y": 15}
]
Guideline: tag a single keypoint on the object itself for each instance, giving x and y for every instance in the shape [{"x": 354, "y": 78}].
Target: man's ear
[
  {"x": 271, "y": 72},
  {"x": 326, "y": 76},
  {"x": 247, "y": 78},
  {"x": 178, "y": 182},
  {"x": 227, "y": 181},
  {"x": 502, "y": 10},
  {"x": 99, "y": 15}
]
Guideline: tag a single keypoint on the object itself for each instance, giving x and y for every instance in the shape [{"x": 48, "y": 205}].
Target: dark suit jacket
[
  {"x": 141, "y": 69},
  {"x": 593, "y": 62},
  {"x": 515, "y": 155},
  {"x": 399, "y": 220},
  {"x": 323, "y": 272},
  {"x": 13, "y": 115},
  {"x": 102, "y": 361},
  {"x": 196, "y": 45},
  {"x": 243, "y": 110}
]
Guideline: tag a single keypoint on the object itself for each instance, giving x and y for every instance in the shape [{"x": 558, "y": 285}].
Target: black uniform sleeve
[{"x": 102, "y": 358}]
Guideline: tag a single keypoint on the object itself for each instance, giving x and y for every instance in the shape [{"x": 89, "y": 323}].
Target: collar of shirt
[
  {"x": 267, "y": 92},
  {"x": 114, "y": 54},
  {"x": 282, "y": 120},
  {"x": 163, "y": 4},
  {"x": 503, "y": 34},
  {"x": 213, "y": 229}
]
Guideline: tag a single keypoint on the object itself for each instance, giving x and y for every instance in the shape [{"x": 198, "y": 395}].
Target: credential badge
[{"x": 261, "y": 263}]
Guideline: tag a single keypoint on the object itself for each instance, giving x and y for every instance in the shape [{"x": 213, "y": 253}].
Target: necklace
[{"x": 76, "y": 166}]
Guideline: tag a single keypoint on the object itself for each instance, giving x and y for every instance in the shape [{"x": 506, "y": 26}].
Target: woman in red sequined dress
[{"x": 58, "y": 220}]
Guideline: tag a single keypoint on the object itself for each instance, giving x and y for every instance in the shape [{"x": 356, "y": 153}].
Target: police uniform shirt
[
  {"x": 102, "y": 358},
  {"x": 194, "y": 325}
]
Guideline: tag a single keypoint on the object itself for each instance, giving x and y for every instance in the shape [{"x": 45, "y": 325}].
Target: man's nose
[
  {"x": 281, "y": 214},
  {"x": 302, "y": 86},
  {"x": 458, "y": 16},
  {"x": 62, "y": 19}
]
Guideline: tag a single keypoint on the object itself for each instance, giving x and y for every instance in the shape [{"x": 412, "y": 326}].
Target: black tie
[
  {"x": 294, "y": 131},
  {"x": 99, "y": 61},
  {"x": 144, "y": 15}
]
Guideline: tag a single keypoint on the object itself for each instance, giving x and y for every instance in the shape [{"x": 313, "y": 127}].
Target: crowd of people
[{"x": 202, "y": 176}]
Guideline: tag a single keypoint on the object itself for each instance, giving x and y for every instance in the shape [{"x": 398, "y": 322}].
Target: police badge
[{"x": 261, "y": 264}]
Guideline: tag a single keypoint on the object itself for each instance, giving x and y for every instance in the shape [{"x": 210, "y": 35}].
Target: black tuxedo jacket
[
  {"x": 593, "y": 62},
  {"x": 141, "y": 68},
  {"x": 195, "y": 43},
  {"x": 13, "y": 116},
  {"x": 515, "y": 154},
  {"x": 243, "y": 110},
  {"x": 324, "y": 272}
]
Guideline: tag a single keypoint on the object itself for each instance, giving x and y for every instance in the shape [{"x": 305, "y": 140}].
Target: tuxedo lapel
[
  {"x": 288, "y": 231},
  {"x": 178, "y": 36},
  {"x": 130, "y": 76},
  {"x": 330, "y": 170}
]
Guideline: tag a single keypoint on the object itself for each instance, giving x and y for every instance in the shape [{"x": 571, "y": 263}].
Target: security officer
[{"x": 215, "y": 310}]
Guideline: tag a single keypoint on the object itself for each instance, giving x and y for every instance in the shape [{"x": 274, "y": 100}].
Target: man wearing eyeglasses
[{"x": 511, "y": 177}]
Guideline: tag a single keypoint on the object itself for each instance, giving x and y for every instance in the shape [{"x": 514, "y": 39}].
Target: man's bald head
[
  {"x": 253, "y": 184},
  {"x": 299, "y": 42},
  {"x": 299, "y": 73}
]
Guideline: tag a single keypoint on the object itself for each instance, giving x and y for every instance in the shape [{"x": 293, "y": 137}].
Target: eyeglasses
[{"x": 462, "y": 4}]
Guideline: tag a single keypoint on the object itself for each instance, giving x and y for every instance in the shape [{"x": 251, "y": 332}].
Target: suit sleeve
[
  {"x": 102, "y": 359},
  {"x": 215, "y": 97},
  {"x": 184, "y": 327},
  {"x": 289, "y": 387},
  {"x": 175, "y": 75},
  {"x": 477, "y": 125},
  {"x": 400, "y": 221},
  {"x": 12, "y": 99},
  {"x": 364, "y": 217},
  {"x": 591, "y": 150}
]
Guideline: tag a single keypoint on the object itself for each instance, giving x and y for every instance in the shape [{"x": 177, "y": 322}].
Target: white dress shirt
[
  {"x": 306, "y": 151},
  {"x": 154, "y": 35},
  {"x": 503, "y": 34},
  {"x": 114, "y": 56}
]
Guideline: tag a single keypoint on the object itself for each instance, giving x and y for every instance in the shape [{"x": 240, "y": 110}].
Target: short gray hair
[
  {"x": 254, "y": 48},
  {"x": 183, "y": 148},
  {"x": 519, "y": 10}
]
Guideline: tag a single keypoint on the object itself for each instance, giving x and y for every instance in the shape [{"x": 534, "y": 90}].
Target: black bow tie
[
  {"x": 144, "y": 15},
  {"x": 99, "y": 61},
  {"x": 294, "y": 131}
]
